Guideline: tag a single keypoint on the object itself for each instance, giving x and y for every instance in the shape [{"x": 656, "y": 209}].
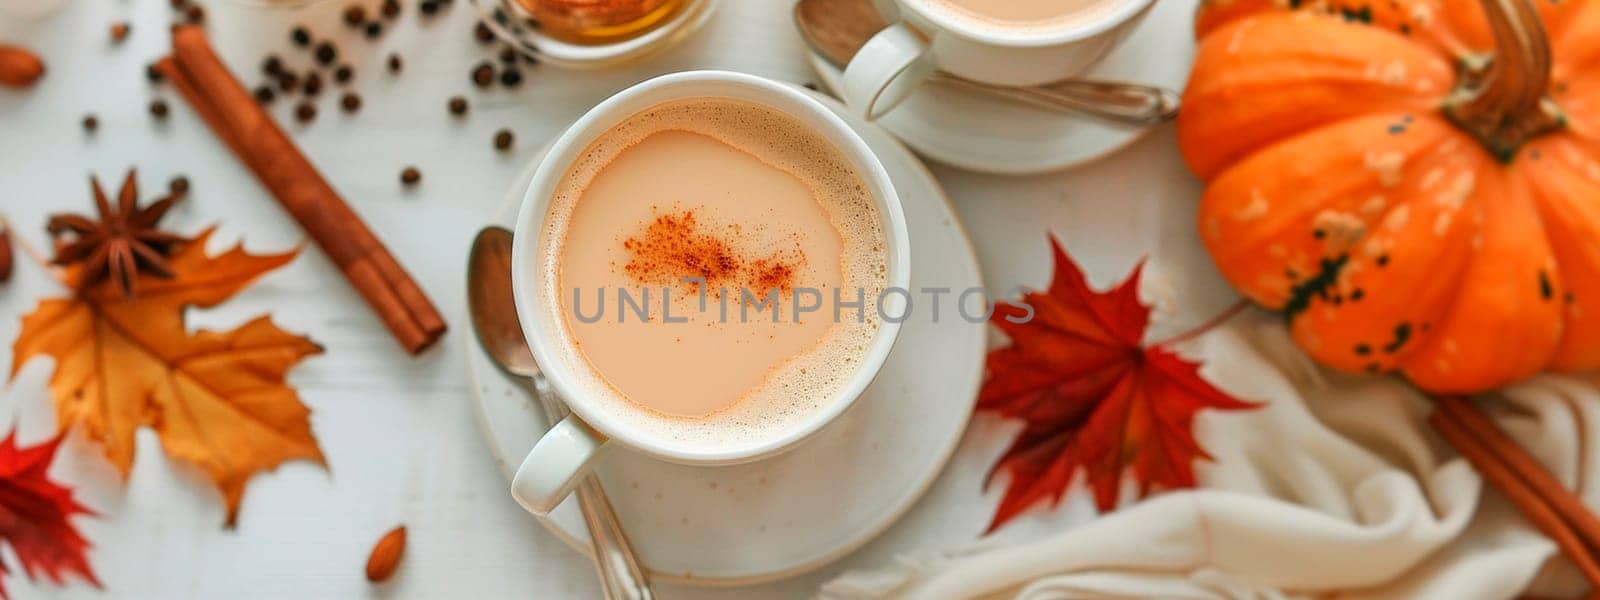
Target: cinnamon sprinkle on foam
[{"x": 674, "y": 246}]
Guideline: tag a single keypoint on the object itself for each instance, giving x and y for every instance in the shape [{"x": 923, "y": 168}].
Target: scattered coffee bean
[
  {"x": 390, "y": 9},
  {"x": 159, "y": 110},
  {"x": 153, "y": 74},
  {"x": 355, "y": 15},
  {"x": 374, "y": 29},
  {"x": 458, "y": 106},
  {"x": 483, "y": 74},
  {"x": 90, "y": 123},
  {"x": 428, "y": 7},
  {"x": 178, "y": 186},
  {"x": 272, "y": 66},
  {"x": 394, "y": 64},
  {"x": 264, "y": 95},
  {"x": 511, "y": 78},
  {"x": 288, "y": 81},
  {"x": 410, "y": 176},
  {"x": 305, "y": 112},
  {"x": 326, "y": 53},
  {"x": 313, "y": 84},
  {"x": 344, "y": 74},
  {"x": 503, "y": 140},
  {"x": 119, "y": 31},
  {"x": 195, "y": 13},
  {"x": 300, "y": 36},
  {"x": 508, "y": 55},
  {"x": 350, "y": 102},
  {"x": 483, "y": 33}
]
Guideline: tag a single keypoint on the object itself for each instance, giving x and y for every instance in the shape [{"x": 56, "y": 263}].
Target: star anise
[{"x": 121, "y": 243}]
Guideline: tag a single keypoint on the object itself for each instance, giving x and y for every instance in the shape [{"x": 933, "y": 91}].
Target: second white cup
[{"x": 924, "y": 38}]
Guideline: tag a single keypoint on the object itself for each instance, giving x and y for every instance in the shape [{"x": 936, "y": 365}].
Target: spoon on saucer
[
  {"x": 494, "y": 319},
  {"x": 836, "y": 30}
]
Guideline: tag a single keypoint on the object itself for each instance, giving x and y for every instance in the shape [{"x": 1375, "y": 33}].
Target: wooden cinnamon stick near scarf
[
  {"x": 247, "y": 129},
  {"x": 1531, "y": 488}
]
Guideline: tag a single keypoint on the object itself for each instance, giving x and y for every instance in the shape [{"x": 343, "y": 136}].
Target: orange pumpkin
[{"x": 1416, "y": 183}]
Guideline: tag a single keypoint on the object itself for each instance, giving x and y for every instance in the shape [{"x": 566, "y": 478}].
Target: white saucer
[
  {"x": 588, "y": 56},
  {"x": 990, "y": 135},
  {"x": 798, "y": 511}
]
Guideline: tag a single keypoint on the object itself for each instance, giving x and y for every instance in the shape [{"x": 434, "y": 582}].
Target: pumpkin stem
[{"x": 1503, "y": 100}]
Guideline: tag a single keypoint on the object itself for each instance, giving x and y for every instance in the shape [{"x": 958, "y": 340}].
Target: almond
[
  {"x": 386, "y": 555},
  {"x": 19, "y": 68}
]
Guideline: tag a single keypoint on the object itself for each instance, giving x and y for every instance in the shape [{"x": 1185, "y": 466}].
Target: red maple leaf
[
  {"x": 34, "y": 514},
  {"x": 1093, "y": 396}
]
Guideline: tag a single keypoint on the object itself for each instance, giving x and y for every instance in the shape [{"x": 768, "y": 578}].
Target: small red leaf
[
  {"x": 1093, "y": 397},
  {"x": 34, "y": 515}
]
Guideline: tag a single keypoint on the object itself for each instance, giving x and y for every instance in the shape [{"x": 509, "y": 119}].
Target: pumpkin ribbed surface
[{"x": 1342, "y": 190}]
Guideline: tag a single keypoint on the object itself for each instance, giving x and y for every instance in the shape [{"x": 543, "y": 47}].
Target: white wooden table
[{"x": 398, "y": 431}]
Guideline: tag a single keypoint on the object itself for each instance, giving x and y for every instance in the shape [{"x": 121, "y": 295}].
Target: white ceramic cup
[
  {"x": 569, "y": 450},
  {"x": 924, "y": 39}
]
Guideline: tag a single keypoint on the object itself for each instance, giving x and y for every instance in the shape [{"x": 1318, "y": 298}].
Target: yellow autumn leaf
[{"x": 217, "y": 400}]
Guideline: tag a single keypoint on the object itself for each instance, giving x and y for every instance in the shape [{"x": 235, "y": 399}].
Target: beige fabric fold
[{"x": 1335, "y": 487}]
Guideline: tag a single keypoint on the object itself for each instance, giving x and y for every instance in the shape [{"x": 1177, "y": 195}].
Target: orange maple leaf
[
  {"x": 1093, "y": 396},
  {"x": 217, "y": 400}
]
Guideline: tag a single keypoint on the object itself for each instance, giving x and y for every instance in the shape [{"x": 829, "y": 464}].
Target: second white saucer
[{"x": 992, "y": 135}]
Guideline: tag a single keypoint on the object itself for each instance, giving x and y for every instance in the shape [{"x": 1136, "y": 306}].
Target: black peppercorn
[
  {"x": 428, "y": 7},
  {"x": 374, "y": 29},
  {"x": 511, "y": 78},
  {"x": 158, "y": 109},
  {"x": 178, "y": 186},
  {"x": 288, "y": 81},
  {"x": 508, "y": 55},
  {"x": 503, "y": 140},
  {"x": 483, "y": 74},
  {"x": 305, "y": 112},
  {"x": 326, "y": 53},
  {"x": 390, "y": 9},
  {"x": 272, "y": 65},
  {"x": 350, "y": 102},
  {"x": 264, "y": 94},
  {"x": 300, "y": 36},
  {"x": 483, "y": 33},
  {"x": 394, "y": 64},
  {"x": 153, "y": 74},
  {"x": 90, "y": 123},
  {"x": 344, "y": 74},
  {"x": 355, "y": 15},
  {"x": 313, "y": 84},
  {"x": 410, "y": 176},
  {"x": 458, "y": 106}
]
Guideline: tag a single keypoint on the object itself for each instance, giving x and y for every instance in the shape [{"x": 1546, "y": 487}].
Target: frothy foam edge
[
  {"x": 804, "y": 384},
  {"x": 996, "y": 26}
]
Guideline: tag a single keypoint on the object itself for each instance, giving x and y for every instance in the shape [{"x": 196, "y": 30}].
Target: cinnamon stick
[
  {"x": 1526, "y": 467},
  {"x": 233, "y": 114},
  {"x": 1549, "y": 506}
]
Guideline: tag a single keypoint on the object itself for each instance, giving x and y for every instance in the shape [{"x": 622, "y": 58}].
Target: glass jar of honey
[{"x": 598, "y": 21}]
